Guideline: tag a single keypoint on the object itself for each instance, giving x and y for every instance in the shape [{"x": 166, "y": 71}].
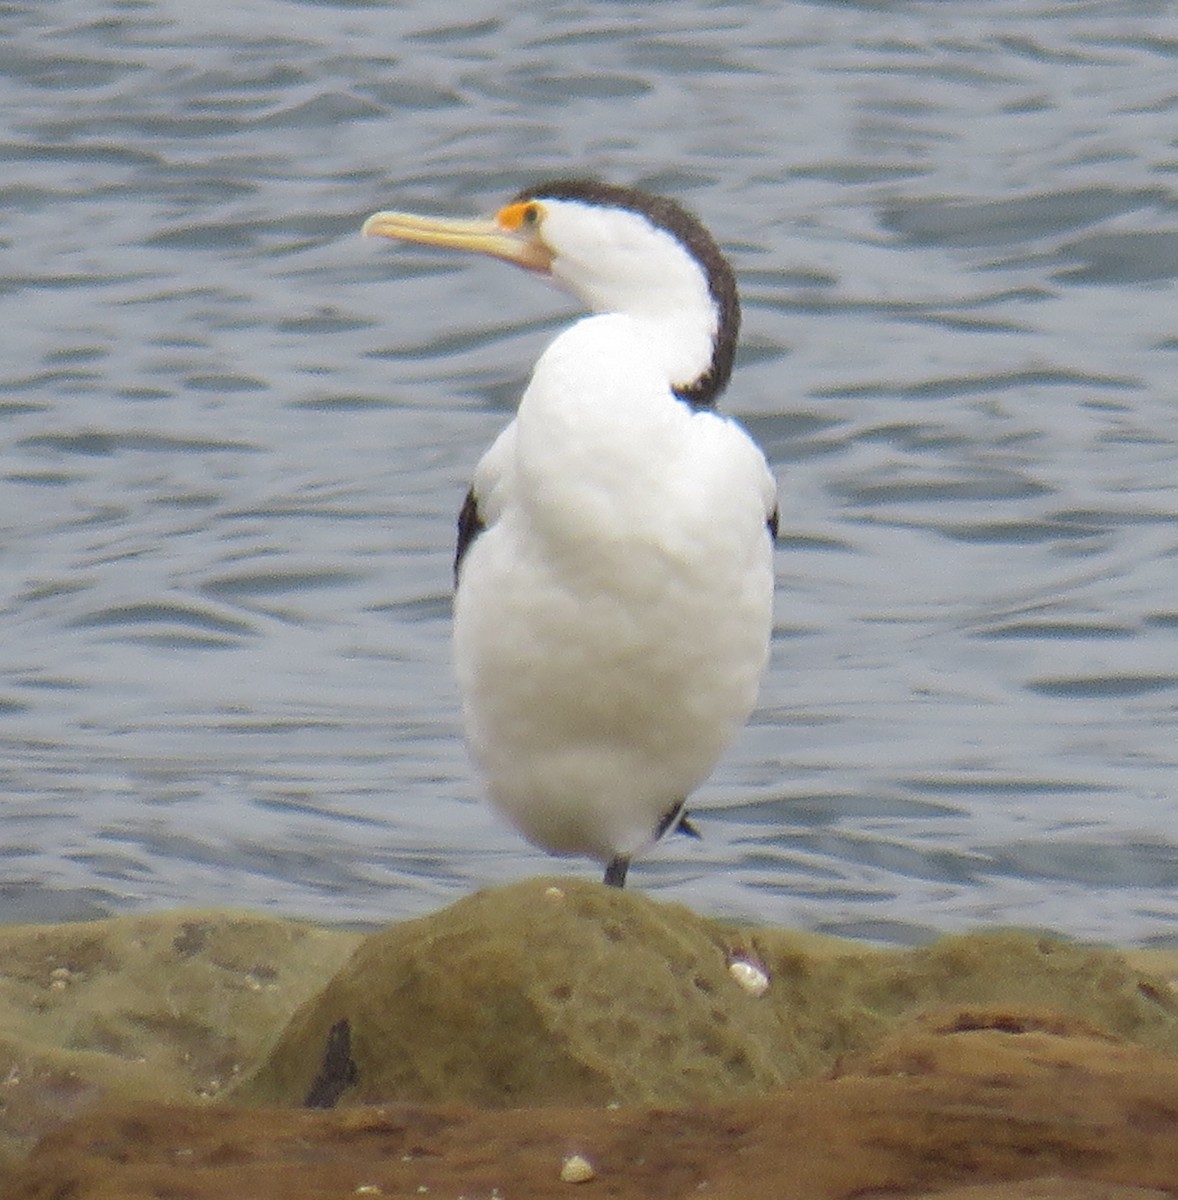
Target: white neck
[{"x": 641, "y": 272}]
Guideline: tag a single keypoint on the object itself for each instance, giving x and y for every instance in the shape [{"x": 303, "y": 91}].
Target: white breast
[{"x": 612, "y": 623}]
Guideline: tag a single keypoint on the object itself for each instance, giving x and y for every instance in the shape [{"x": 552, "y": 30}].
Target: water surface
[{"x": 234, "y": 435}]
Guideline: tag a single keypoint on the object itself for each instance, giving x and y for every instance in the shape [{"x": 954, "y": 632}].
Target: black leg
[{"x": 615, "y": 871}]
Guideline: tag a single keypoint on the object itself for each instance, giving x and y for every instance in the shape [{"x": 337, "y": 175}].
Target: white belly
[{"x": 591, "y": 710}]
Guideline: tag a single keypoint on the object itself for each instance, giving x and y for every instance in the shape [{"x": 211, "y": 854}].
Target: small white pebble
[
  {"x": 749, "y": 976},
  {"x": 368, "y": 1189},
  {"x": 554, "y": 893},
  {"x": 576, "y": 1169}
]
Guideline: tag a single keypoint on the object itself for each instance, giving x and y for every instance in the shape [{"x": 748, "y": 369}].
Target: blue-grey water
[{"x": 234, "y": 435}]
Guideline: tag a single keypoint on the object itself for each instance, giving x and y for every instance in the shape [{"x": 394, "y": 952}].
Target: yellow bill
[{"x": 506, "y": 236}]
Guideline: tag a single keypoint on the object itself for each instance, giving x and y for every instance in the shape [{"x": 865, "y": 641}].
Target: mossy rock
[
  {"x": 166, "y": 1007},
  {"x": 563, "y": 991}
]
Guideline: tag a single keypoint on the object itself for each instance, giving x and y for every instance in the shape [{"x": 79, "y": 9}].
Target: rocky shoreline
[{"x": 556, "y": 1035}]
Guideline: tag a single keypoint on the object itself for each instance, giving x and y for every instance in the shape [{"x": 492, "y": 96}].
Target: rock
[
  {"x": 580, "y": 1022},
  {"x": 972, "y": 1105},
  {"x": 566, "y": 992},
  {"x": 170, "y": 1007}
]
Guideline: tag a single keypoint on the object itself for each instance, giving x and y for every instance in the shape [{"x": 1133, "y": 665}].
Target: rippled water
[{"x": 235, "y": 436}]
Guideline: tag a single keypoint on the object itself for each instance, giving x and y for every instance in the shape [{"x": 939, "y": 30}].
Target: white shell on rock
[
  {"x": 576, "y": 1169},
  {"x": 754, "y": 979}
]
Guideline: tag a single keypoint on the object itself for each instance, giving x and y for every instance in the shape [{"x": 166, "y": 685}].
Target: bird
[{"x": 614, "y": 577}]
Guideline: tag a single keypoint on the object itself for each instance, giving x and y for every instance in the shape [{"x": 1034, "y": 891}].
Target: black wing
[
  {"x": 470, "y": 525},
  {"x": 773, "y": 522}
]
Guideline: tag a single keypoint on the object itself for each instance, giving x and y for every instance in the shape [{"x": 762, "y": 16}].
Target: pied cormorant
[{"x": 614, "y": 571}]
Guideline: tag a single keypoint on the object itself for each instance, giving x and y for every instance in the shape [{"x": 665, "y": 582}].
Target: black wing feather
[{"x": 470, "y": 525}]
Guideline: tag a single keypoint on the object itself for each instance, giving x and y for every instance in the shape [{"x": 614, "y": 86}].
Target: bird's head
[{"x": 618, "y": 250}]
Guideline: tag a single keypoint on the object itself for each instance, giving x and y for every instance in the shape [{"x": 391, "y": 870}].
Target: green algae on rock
[
  {"x": 558, "y": 991},
  {"x": 548, "y": 991},
  {"x": 167, "y": 1007}
]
